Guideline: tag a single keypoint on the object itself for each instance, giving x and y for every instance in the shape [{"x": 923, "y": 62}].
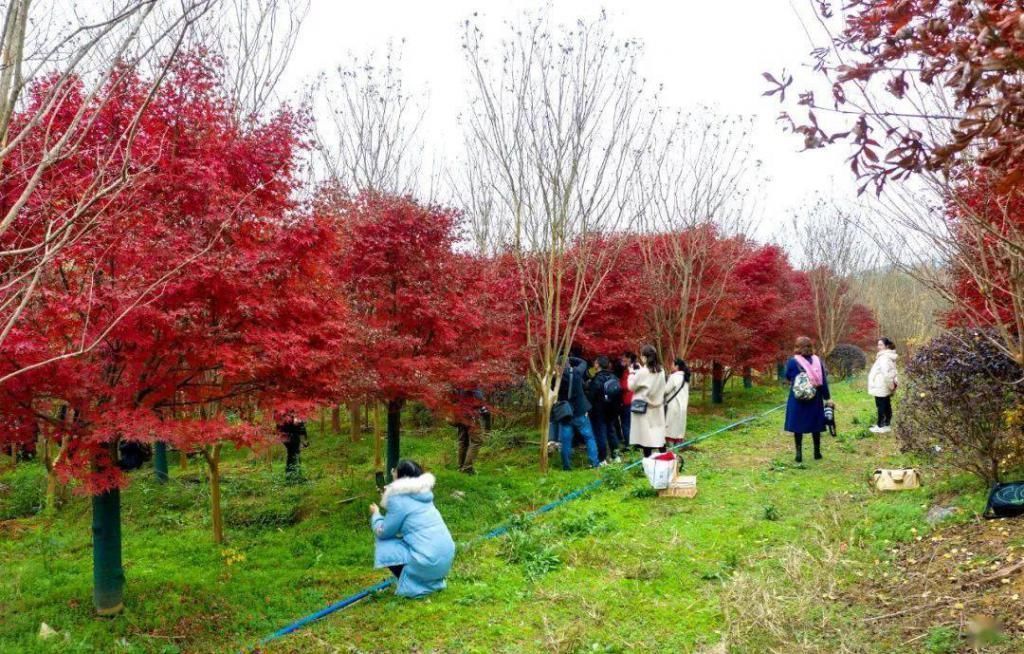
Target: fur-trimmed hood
[
  {"x": 888, "y": 354},
  {"x": 422, "y": 488}
]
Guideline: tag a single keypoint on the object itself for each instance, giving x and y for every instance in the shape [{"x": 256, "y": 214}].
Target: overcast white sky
[{"x": 704, "y": 52}]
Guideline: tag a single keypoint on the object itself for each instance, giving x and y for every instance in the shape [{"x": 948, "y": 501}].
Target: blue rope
[
  {"x": 494, "y": 533},
  {"x": 337, "y": 606}
]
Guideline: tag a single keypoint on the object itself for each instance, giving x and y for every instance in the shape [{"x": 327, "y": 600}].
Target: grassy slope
[{"x": 610, "y": 572}]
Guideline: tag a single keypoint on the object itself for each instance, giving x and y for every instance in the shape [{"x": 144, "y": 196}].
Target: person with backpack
[
  {"x": 569, "y": 413},
  {"x": 647, "y": 409},
  {"x": 882, "y": 384},
  {"x": 808, "y": 393},
  {"x": 412, "y": 539},
  {"x": 677, "y": 401},
  {"x": 294, "y": 437},
  {"x": 605, "y": 394}
]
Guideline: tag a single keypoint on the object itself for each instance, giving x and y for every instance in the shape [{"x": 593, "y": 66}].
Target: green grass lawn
[{"x": 615, "y": 571}]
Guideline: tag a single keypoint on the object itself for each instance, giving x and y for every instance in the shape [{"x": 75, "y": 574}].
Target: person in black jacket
[
  {"x": 605, "y": 394},
  {"x": 294, "y": 437},
  {"x": 571, "y": 390}
]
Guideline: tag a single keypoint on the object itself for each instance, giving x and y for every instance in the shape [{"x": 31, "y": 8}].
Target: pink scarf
[{"x": 812, "y": 368}]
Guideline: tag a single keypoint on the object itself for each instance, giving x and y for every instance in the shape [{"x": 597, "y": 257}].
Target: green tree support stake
[
  {"x": 107, "y": 572},
  {"x": 748, "y": 377},
  {"x": 394, "y": 427},
  {"x": 160, "y": 461}
]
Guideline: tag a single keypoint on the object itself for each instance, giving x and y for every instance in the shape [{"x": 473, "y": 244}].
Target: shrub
[
  {"x": 846, "y": 360},
  {"x": 526, "y": 547},
  {"x": 963, "y": 402},
  {"x": 21, "y": 492}
]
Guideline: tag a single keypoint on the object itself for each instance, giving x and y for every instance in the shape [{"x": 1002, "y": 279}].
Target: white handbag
[
  {"x": 898, "y": 479},
  {"x": 661, "y": 469}
]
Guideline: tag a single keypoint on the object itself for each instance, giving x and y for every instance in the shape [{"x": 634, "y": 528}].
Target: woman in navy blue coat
[{"x": 806, "y": 416}]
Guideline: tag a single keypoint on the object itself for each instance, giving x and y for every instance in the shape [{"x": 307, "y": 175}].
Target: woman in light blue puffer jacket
[{"x": 412, "y": 539}]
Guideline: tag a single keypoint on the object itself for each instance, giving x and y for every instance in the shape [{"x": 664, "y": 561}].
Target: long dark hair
[
  {"x": 681, "y": 365},
  {"x": 407, "y": 468},
  {"x": 887, "y": 342},
  {"x": 650, "y": 355}
]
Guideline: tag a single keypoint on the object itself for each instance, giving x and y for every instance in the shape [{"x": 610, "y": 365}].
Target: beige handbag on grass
[{"x": 898, "y": 479}]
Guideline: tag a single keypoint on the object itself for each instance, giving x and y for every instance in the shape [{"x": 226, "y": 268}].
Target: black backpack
[
  {"x": 1005, "y": 500},
  {"x": 612, "y": 390}
]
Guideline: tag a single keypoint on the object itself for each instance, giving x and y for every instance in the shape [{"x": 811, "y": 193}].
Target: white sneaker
[
  {"x": 602, "y": 464},
  {"x": 875, "y": 429},
  {"x": 884, "y": 430}
]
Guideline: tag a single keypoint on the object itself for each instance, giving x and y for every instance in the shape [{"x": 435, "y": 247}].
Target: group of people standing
[
  {"x": 810, "y": 401},
  {"x": 610, "y": 405},
  {"x": 634, "y": 403}
]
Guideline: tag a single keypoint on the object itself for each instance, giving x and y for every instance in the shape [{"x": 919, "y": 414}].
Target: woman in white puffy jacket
[{"x": 882, "y": 383}]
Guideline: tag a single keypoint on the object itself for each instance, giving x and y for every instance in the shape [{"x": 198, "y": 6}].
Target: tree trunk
[
  {"x": 378, "y": 463},
  {"x": 160, "y": 461},
  {"x": 717, "y": 383},
  {"x": 183, "y": 460},
  {"x": 213, "y": 462},
  {"x": 780, "y": 371},
  {"x": 50, "y": 503},
  {"x": 336, "y": 419},
  {"x": 323, "y": 421},
  {"x": 353, "y": 416},
  {"x": 366, "y": 417},
  {"x": 394, "y": 435},
  {"x": 543, "y": 427},
  {"x": 748, "y": 377},
  {"x": 107, "y": 571}
]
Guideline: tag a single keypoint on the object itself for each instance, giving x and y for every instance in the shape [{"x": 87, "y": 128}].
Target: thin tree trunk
[
  {"x": 50, "y": 462},
  {"x": 748, "y": 377},
  {"x": 394, "y": 437},
  {"x": 212, "y": 456},
  {"x": 50, "y": 505},
  {"x": 336, "y": 420},
  {"x": 543, "y": 427}
]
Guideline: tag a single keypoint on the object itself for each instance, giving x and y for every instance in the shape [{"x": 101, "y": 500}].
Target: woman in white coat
[
  {"x": 647, "y": 412},
  {"x": 882, "y": 384},
  {"x": 677, "y": 400}
]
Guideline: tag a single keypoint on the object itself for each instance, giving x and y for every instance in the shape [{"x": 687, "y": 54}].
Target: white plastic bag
[{"x": 661, "y": 469}]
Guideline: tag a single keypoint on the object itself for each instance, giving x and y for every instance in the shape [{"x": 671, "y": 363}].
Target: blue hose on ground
[{"x": 494, "y": 533}]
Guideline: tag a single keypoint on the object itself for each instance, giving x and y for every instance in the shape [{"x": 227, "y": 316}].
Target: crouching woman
[{"x": 412, "y": 539}]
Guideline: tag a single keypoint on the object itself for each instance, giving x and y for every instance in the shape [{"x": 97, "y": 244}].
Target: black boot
[
  {"x": 798, "y": 439},
  {"x": 817, "y": 446}
]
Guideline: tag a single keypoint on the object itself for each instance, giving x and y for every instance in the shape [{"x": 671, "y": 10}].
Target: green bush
[
  {"x": 942, "y": 640},
  {"x": 586, "y": 524},
  {"x": 526, "y": 547},
  {"x": 22, "y": 492}
]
